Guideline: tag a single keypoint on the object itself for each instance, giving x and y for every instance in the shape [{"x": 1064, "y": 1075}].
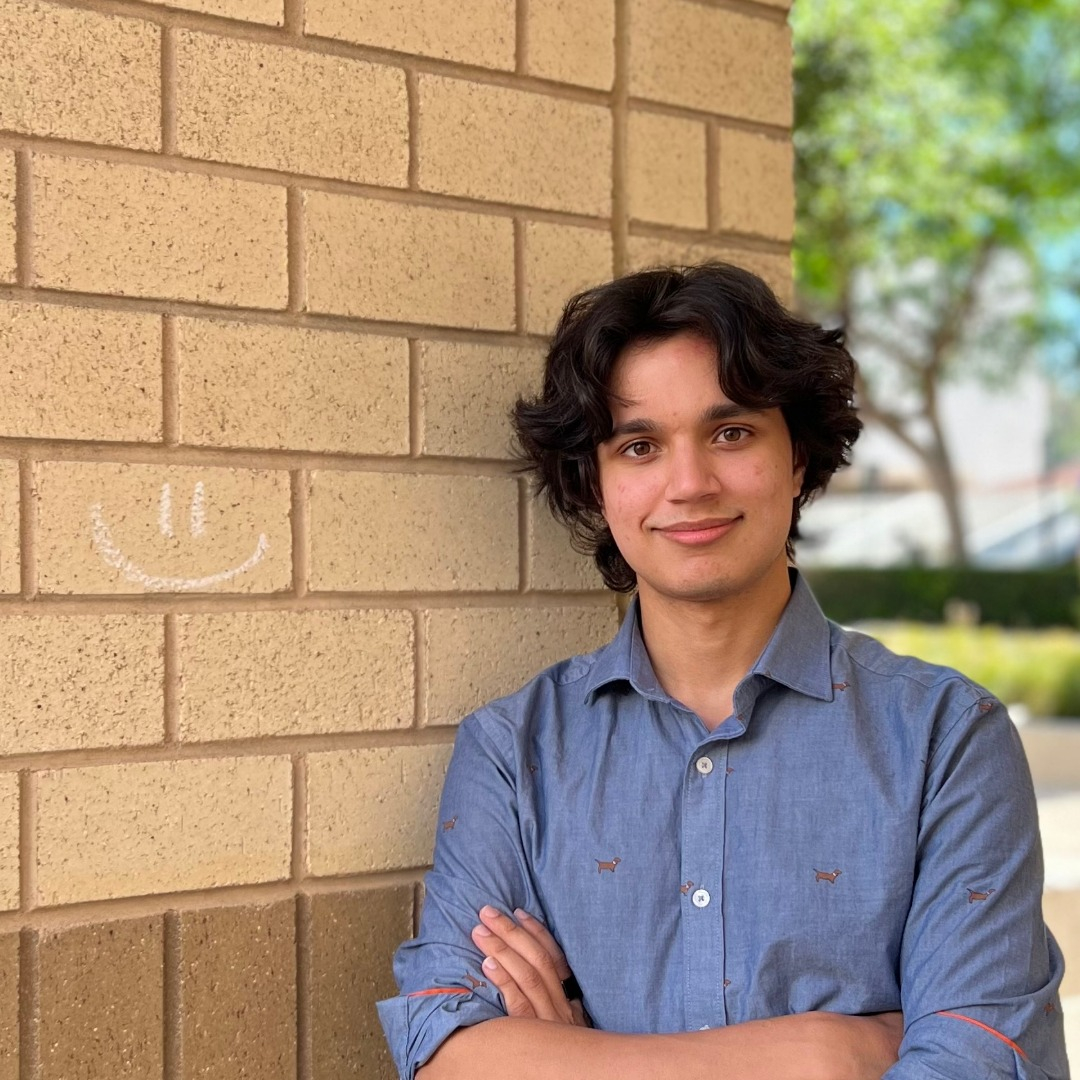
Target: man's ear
[{"x": 799, "y": 473}]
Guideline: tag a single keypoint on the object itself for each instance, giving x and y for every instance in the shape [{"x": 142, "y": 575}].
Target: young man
[{"x": 755, "y": 837}]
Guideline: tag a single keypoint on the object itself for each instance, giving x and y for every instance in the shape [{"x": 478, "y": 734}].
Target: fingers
[
  {"x": 526, "y": 967},
  {"x": 514, "y": 1001}
]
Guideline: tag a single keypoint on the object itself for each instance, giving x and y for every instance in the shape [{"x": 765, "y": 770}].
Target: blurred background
[{"x": 938, "y": 193}]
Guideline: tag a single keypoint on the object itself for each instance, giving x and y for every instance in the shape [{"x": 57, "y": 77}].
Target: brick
[
  {"x": 488, "y": 142},
  {"x": 466, "y": 394},
  {"x": 106, "y": 528},
  {"x": 7, "y": 217},
  {"x": 288, "y": 109},
  {"x": 101, "y": 994},
  {"x": 9, "y": 840},
  {"x": 478, "y": 32},
  {"x": 1061, "y": 909},
  {"x": 133, "y": 231},
  {"x": 774, "y": 268},
  {"x": 287, "y": 388},
  {"x": 75, "y": 74},
  {"x": 708, "y": 58},
  {"x": 9, "y": 527},
  {"x": 353, "y": 938},
  {"x": 373, "y": 809},
  {"x": 404, "y": 533},
  {"x": 9, "y": 1007},
  {"x": 667, "y": 170},
  {"x": 393, "y": 261},
  {"x": 270, "y": 12},
  {"x": 248, "y": 674},
  {"x": 238, "y": 993},
  {"x": 76, "y": 681},
  {"x": 477, "y": 654},
  {"x": 79, "y": 373},
  {"x": 571, "y": 42},
  {"x": 162, "y": 826},
  {"x": 757, "y": 184},
  {"x": 553, "y": 564},
  {"x": 561, "y": 260}
]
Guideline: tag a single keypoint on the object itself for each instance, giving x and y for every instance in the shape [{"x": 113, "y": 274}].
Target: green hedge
[
  {"x": 1040, "y": 668},
  {"x": 1024, "y": 598}
]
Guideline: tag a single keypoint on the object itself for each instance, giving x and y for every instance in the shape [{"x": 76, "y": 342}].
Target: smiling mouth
[{"x": 698, "y": 532}]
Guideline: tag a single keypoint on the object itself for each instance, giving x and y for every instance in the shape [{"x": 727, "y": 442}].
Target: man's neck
[{"x": 700, "y": 650}]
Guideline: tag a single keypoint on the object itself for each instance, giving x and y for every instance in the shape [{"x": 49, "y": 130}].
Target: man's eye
[
  {"x": 637, "y": 449},
  {"x": 733, "y": 434}
]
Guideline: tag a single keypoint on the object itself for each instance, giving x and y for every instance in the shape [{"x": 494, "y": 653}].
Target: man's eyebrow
[
  {"x": 642, "y": 425},
  {"x": 729, "y": 411}
]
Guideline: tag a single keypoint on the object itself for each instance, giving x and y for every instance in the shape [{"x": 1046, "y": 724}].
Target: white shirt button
[
  {"x": 704, "y": 765},
  {"x": 701, "y": 898}
]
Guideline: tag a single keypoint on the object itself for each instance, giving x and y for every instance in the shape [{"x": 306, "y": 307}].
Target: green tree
[{"x": 938, "y": 150}]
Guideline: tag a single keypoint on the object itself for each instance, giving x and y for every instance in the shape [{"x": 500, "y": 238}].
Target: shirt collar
[{"x": 797, "y": 655}]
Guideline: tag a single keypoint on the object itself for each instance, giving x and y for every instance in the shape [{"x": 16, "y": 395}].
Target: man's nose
[{"x": 692, "y": 473}]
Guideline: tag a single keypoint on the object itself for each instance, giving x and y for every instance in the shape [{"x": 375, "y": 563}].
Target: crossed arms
[{"x": 978, "y": 993}]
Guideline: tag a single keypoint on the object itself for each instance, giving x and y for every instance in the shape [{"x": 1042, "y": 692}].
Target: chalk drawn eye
[{"x": 112, "y": 556}]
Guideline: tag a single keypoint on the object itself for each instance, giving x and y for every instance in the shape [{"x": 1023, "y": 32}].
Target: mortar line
[
  {"x": 24, "y": 231},
  {"x": 168, "y": 90},
  {"x": 521, "y": 37},
  {"x": 299, "y": 858},
  {"x": 300, "y": 527},
  {"x": 304, "y": 1047},
  {"x": 342, "y": 324},
  {"x": 420, "y": 669},
  {"x": 29, "y": 1005},
  {"x": 193, "y": 166},
  {"x": 293, "y": 24},
  {"x": 172, "y": 1006},
  {"x": 620, "y": 113},
  {"x": 226, "y": 458},
  {"x": 28, "y": 522},
  {"x": 417, "y": 412},
  {"x": 171, "y": 681},
  {"x": 296, "y": 250},
  {"x": 689, "y": 112},
  {"x": 148, "y": 605},
  {"x": 520, "y": 284},
  {"x": 82, "y": 913},
  {"x": 752, "y": 8},
  {"x": 28, "y": 789},
  {"x": 170, "y": 382},
  {"x": 524, "y": 540},
  {"x": 254, "y": 746},
  {"x": 712, "y": 177},
  {"x": 412, "y": 97}
]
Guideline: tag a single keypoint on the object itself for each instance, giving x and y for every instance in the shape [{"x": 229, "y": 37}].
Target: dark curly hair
[{"x": 767, "y": 358}]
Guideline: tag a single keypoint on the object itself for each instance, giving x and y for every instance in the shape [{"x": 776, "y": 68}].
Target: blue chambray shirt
[{"x": 859, "y": 836}]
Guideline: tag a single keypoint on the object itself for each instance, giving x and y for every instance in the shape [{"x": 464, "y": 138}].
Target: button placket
[{"x": 702, "y": 863}]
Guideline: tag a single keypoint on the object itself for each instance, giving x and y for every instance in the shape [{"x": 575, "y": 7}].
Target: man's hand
[{"x": 526, "y": 965}]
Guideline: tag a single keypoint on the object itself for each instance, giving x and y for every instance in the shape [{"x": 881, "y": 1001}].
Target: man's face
[{"x": 697, "y": 491}]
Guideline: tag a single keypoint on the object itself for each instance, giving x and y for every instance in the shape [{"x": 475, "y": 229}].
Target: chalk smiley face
[{"x": 111, "y": 554}]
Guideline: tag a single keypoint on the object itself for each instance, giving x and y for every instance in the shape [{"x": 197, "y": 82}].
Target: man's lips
[{"x": 698, "y": 531}]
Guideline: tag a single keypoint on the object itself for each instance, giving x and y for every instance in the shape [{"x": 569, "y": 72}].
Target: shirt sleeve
[
  {"x": 478, "y": 860},
  {"x": 979, "y": 971}
]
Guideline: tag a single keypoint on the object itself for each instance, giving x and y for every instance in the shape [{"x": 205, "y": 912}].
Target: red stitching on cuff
[
  {"x": 986, "y": 1027},
  {"x": 436, "y": 990}
]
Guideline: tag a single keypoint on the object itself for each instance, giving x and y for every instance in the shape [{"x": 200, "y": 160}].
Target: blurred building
[{"x": 1018, "y": 510}]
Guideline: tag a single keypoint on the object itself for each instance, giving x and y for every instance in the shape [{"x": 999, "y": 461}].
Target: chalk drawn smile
[{"x": 112, "y": 556}]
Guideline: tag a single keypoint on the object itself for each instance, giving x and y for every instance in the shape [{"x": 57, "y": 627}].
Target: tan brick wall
[{"x": 271, "y": 275}]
